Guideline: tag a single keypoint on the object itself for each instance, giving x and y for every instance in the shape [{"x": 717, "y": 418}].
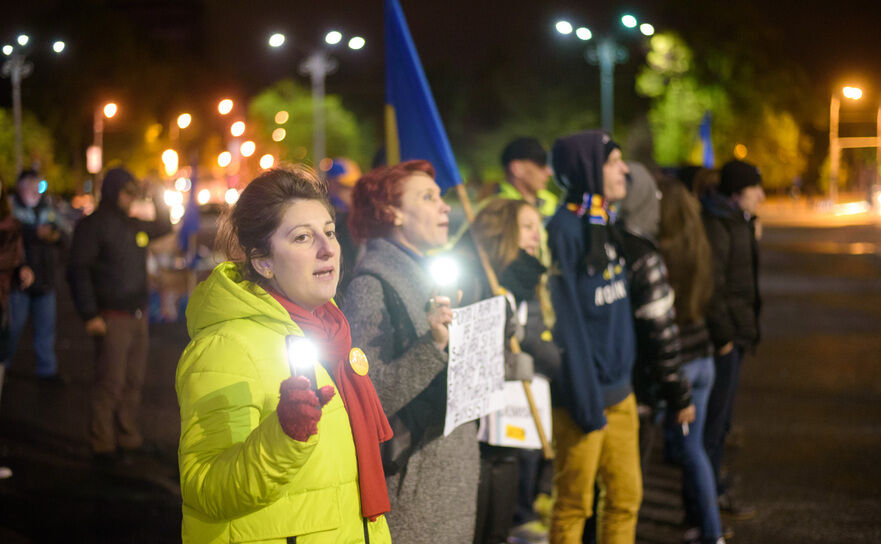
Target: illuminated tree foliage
[{"x": 38, "y": 152}]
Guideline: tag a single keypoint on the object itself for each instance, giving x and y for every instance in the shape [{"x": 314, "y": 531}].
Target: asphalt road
[{"x": 808, "y": 418}]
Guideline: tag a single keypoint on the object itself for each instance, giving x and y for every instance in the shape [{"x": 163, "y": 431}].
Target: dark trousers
[
  {"x": 496, "y": 494},
  {"x": 720, "y": 409},
  {"x": 120, "y": 363}
]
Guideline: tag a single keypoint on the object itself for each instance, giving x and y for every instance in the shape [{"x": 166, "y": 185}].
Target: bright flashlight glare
[
  {"x": 224, "y": 159},
  {"x": 629, "y": 21},
  {"x": 302, "y": 354},
  {"x": 248, "y": 148},
  {"x": 583, "y": 33},
  {"x": 224, "y": 106},
  {"x": 276, "y": 40},
  {"x": 7, "y": 49},
  {"x": 203, "y": 196},
  {"x": 333, "y": 37},
  {"x": 646, "y": 29},
  {"x": 231, "y": 196},
  {"x": 237, "y": 128},
  {"x": 854, "y": 93},
  {"x": 357, "y": 43},
  {"x": 23, "y": 39},
  {"x": 444, "y": 270},
  {"x": 58, "y": 46},
  {"x": 564, "y": 27}
]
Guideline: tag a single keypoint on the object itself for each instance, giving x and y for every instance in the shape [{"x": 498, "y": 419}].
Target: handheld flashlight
[
  {"x": 444, "y": 271},
  {"x": 302, "y": 356}
]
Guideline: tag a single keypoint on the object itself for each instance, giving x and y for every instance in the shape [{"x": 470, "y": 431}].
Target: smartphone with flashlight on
[{"x": 302, "y": 357}]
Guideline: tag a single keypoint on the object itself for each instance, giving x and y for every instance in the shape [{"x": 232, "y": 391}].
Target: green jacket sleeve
[{"x": 234, "y": 457}]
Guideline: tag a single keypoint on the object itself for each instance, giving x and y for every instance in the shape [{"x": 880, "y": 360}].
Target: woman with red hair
[{"x": 402, "y": 326}]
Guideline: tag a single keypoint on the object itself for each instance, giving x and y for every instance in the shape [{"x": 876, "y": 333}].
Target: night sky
[{"x": 168, "y": 56}]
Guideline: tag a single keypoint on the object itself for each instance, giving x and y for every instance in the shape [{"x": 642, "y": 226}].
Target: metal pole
[
  {"x": 318, "y": 65},
  {"x": 606, "y": 56},
  {"x": 878, "y": 147},
  {"x": 16, "y": 69},
  {"x": 834, "y": 151}
]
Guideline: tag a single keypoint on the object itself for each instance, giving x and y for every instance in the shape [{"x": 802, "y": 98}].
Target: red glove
[{"x": 299, "y": 408}]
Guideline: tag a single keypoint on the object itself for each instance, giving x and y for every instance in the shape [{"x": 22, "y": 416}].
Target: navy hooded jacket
[{"x": 594, "y": 326}]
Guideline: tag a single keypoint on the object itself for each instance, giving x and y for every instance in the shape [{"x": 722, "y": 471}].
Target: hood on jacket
[
  {"x": 578, "y": 161},
  {"x": 225, "y": 296},
  {"x": 114, "y": 181},
  {"x": 641, "y": 208}
]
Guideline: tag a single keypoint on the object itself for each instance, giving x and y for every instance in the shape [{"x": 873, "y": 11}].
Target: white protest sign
[
  {"x": 513, "y": 426},
  {"x": 476, "y": 371}
]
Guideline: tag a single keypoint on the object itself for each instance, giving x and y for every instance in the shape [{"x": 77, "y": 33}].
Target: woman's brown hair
[
  {"x": 686, "y": 251},
  {"x": 246, "y": 228},
  {"x": 495, "y": 228}
]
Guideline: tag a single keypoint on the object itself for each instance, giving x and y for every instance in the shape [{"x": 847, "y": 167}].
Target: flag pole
[{"x": 515, "y": 344}]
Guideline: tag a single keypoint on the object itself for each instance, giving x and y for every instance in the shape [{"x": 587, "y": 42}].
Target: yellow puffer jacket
[{"x": 242, "y": 478}]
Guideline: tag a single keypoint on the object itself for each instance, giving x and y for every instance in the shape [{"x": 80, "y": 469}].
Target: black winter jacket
[
  {"x": 657, "y": 372},
  {"x": 41, "y": 255},
  {"x": 108, "y": 259},
  {"x": 733, "y": 314}
]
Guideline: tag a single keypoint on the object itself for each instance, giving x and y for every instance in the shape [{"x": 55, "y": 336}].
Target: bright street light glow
[
  {"x": 110, "y": 110},
  {"x": 58, "y": 46},
  {"x": 224, "y": 106},
  {"x": 629, "y": 21},
  {"x": 646, "y": 29},
  {"x": 237, "y": 128},
  {"x": 266, "y": 161},
  {"x": 183, "y": 184},
  {"x": 248, "y": 148},
  {"x": 357, "y": 43},
  {"x": 281, "y": 117},
  {"x": 583, "y": 33},
  {"x": 224, "y": 159},
  {"x": 276, "y": 40},
  {"x": 7, "y": 49},
  {"x": 169, "y": 159},
  {"x": 564, "y": 27},
  {"x": 333, "y": 37},
  {"x": 854, "y": 93},
  {"x": 173, "y": 198},
  {"x": 184, "y": 120},
  {"x": 278, "y": 134},
  {"x": 231, "y": 196},
  {"x": 203, "y": 196},
  {"x": 23, "y": 39}
]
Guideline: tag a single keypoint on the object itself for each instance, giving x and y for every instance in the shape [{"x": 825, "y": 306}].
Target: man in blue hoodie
[{"x": 595, "y": 419}]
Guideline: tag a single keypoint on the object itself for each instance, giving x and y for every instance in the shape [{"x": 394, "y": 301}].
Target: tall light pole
[
  {"x": 836, "y": 143},
  {"x": 607, "y": 54},
  {"x": 318, "y": 65},
  {"x": 95, "y": 153}
]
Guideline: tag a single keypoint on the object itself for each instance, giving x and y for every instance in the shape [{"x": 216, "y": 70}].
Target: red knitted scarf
[{"x": 328, "y": 328}]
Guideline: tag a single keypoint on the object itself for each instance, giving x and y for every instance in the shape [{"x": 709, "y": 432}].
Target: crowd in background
[{"x": 632, "y": 291}]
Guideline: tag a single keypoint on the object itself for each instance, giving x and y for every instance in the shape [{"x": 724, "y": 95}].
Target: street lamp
[
  {"x": 16, "y": 67},
  {"x": 95, "y": 153},
  {"x": 836, "y": 144},
  {"x": 606, "y": 54},
  {"x": 224, "y": 106},
  {"x": 318, "y": 65}
]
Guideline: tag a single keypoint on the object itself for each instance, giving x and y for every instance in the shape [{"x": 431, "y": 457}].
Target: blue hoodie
[{"x": 594, "y": 324}]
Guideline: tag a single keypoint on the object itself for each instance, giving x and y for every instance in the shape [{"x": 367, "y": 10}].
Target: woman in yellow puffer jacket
[{"x": 277, "y": 446}]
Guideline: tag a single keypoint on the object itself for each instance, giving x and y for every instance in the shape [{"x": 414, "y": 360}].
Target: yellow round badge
[
  {"x": 142, "y": 239},
  {"x": 358, "y": 361}
]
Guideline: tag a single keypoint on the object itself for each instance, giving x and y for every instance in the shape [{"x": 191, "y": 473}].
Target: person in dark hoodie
[
  {"x": 44, "y": 231},
  {"x": 595, "y": 423},
  {"x": 108, "y": 280},
  {"x": 733, "y": 316}
]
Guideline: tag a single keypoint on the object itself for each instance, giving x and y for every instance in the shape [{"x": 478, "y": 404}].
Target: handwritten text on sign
[{"x": 476, "y": 374}]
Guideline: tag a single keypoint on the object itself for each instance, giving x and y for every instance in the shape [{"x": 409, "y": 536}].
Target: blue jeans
[
  {"x": 698, "y": 481},
  {"x": 720, "y": 409},
  {"x": 41, "y": 308}
]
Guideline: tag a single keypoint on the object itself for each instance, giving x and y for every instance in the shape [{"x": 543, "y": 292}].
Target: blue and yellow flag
[
  {"x": 709, "y": 160},
  {"x": 412, "y": 124}
]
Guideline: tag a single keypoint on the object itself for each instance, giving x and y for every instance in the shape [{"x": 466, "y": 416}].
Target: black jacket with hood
[{"x": 108, "y": 255}]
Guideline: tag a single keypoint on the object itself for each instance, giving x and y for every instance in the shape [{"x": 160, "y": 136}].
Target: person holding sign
[
  {"x": 280, "y": 425},
  {"x": 401, "y": 323},
  {"x": 510, "y": 233}
]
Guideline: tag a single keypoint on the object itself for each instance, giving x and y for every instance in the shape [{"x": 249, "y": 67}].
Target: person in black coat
[
  {"x": 733, "y": 314},
  {"x": 108, "y": 280}
]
